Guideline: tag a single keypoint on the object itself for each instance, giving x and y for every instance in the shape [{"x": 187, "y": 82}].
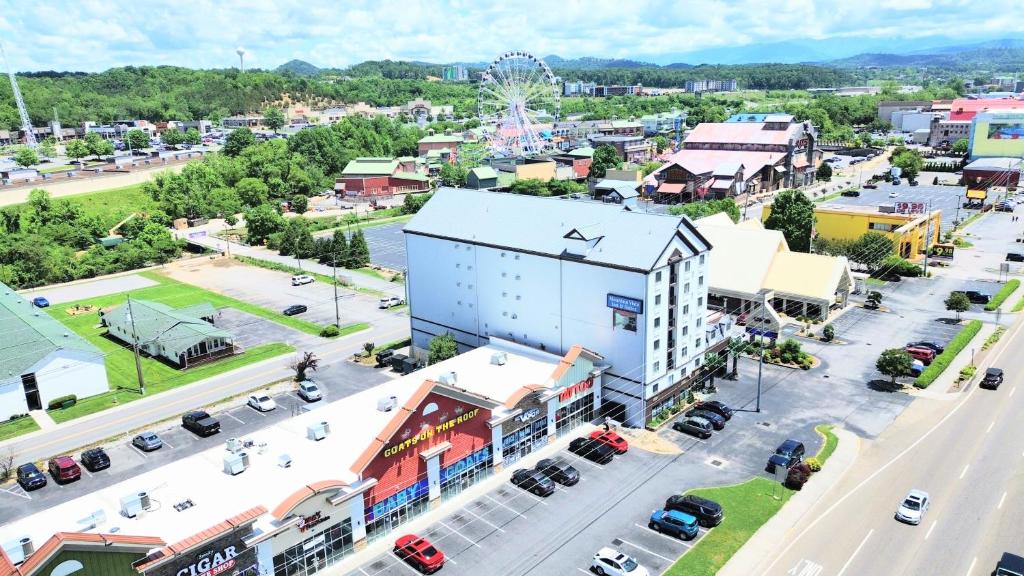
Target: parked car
[
  {"x": 1004, "y": 207},
  {"x": 923, "y": 354},
  {"x": 913, "y": 507},
  {"x": 707, "y": 512},
  {"x": 64, "y": 469},
  {"x": 558, "y": 470},
  {"x": 675, "y": 523},
  {"x": 294, "y": 309},
  {"x": 200, "y": 423},
  {"x": 993, "y": 378},
  {"x": 850, "y": 193},
  {"x": 611, "y": 562},
  {"x": 1014, "y": 257},
  {"x": 894, "y": 194},
  {"x": 309, "y": 391},
  {"x": 871, "y": 186},
  {"x": 391, "y": 302},
  {"x": 610, "y": 439},
  {"x": 95, "y": 459},
  {"x": 301, "y": 279},
  {"x": 694, "y": 426},
  {"x": 592, "y": 450},
  {"x": 262, "y": 402},
  {"x": 147, "y": 442},
  {"x": 419, "y": 553},
  {"x": 30, "y": 478},
  {"x": 786, "y": 455},
  {"x": 40, "y": 302},
  {"x": 929, "y": 345},
  {"x": 718, "y": 408},
  {"x": 716, "y": 419},
  {"x": 977, "y": 297},
  {"x": 533, "y": 481},
  {"x": 1010, "y": 565}
]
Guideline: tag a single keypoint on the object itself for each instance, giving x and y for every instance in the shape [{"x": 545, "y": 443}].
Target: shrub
[
  {"x": 968, "y": 371},
  {"x": 798, "y": 476},
  {"x": 1004, "y": 293},
  {"x": 942, "y": 361},
  {"x": 17, "y": 417},
  {"x": 59, "y": 401},
  {"x": 329, "y": 331},
  {"x": 900, "y": 267},
  {"x": 813, "y": 464},
  {"x": 806, "y": 362},
  {"x": 828, "y": 333}
]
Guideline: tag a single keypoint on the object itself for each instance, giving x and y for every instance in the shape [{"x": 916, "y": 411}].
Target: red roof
[
  {"x": 967, "y": 108},
  {"x": 162, "y": 555},
  {"x": 706, "y": 161},
  {"x": 740, "y": 133},
  {"x": 668, "y": 188}
]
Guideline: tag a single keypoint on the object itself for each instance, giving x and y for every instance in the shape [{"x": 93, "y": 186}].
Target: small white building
[
  {"x": 547, "y": 273},
  {"x": 42, "y": 359}
]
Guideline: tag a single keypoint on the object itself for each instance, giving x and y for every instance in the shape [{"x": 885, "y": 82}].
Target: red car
[
  {"x": 925, "y": 355},
  {"x": 64, "y": 469},
  {"x": 419, "y": 553},
  {"x": 611, "y": 439}
]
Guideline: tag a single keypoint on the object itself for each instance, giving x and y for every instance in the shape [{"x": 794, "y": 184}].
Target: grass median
[
  {"x": 1005, "y": 292},
  {"x": 942, "y": 361},
  {"x": 830, "y": 443},
  {"x": 13, "y": 428}
]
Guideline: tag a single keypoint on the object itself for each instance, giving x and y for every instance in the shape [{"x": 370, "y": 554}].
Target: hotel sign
[
  {"x": 625, "y": 304},
  {"x": 428, "y": 432}
]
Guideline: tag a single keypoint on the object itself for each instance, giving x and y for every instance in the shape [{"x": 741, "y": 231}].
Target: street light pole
[
  {"x": 760, "y": 350},
  {"x": 334, "y": 268}
]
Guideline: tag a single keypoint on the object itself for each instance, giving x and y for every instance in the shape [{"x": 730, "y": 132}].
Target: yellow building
[
  {"x": 907, "y": 231},
  {"x": 543, "y": 170}
]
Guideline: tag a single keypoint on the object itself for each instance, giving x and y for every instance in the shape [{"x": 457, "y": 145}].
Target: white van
[{"x": 301, "y": 279}]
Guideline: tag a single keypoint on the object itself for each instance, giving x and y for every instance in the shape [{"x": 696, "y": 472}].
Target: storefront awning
[
  {"x": 669, "y": 188},
  {"x": 780, "y": 169}
]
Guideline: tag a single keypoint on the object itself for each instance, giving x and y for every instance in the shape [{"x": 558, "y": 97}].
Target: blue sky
[{"x": 94, "y": 35}]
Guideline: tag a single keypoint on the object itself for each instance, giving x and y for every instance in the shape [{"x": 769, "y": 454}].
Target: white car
[
  {"x": 301, "y": 279},
  {"x": 611, "y": 562},
  {"x": 913, "y": 507},
  {"x": 309, "y": 391},
  {"x": 391, "y": 302},
  {"x": 262, "y": 402},
  {"x": 893, "y": 194}
]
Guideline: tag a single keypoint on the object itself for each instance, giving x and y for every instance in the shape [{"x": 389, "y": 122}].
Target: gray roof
[
  {"x": 31, "y": 335},
  {"x": 624, "y": 188},
  {"x": 175, "y": 330},
  {"x": 623, "y": 239},
  {"x": 1005, "y": 163}
]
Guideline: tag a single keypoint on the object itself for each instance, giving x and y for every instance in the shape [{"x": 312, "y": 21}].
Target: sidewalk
[{"x": 771, "y": 537}]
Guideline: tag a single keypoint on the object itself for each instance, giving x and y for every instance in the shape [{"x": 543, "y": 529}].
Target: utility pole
[
  {"x": 135, "y": 348},
  {"x": 927, "y": 237},
  {"x": 760, "y": 351},
  {"x": 334, "y": 268}
]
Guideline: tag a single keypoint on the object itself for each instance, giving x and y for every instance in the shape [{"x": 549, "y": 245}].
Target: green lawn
[
  {"x": 114, "y": 204},
  {"x": 747, "y": 507},
  {"x": 12, "y": 428},
  {"x": 159, "y": 377},
  {"x": 831, "y": 441}
]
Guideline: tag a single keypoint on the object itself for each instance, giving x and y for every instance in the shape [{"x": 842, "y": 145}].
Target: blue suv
[{"x": 674, "y": 522}]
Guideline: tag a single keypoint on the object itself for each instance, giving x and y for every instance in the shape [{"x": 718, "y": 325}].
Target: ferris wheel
[{"x": 518, "y": 95}]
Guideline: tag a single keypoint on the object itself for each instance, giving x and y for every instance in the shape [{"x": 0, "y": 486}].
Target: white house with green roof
[
  {"x": 41, "y": 359},
  {"x": 183, "y": 337}
]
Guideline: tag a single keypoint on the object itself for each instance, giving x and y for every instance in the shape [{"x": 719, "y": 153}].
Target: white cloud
[{"x": 98, "y": 34}]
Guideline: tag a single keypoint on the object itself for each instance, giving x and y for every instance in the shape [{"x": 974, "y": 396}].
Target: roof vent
[
  {"x": 499, "y": 358},
  {"x": 448, "y": 378},
  {"x": 318, "y": 431},
  {"x": 27, "y": 548},
  {"x": 234, "y": 445},
  {"x": 284, "y": 461},
  {"x": 387, "y": 403}
]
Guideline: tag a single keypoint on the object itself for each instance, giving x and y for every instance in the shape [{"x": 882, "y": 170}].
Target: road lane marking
[
  {"x": 852, "y": 556},
  {"x": 585, "y": 571},
  {"x": 1001, "y": 500},
  {"x": 463, "y": 536},
  {"x": 932, "y": 527},
  {"x": 403, "y": 563},
  {"x": 651, "y": 552},
  {"x": 1012, "y": 390},
  {"x": 993, "y": 423},
  {"x": 233, "y": 417},
  {"x": 364, "y": 572},
  {"x": 964, "y": 473},
  {"x": 805, "y": 568},
  {"x": 971, "y": 567}
]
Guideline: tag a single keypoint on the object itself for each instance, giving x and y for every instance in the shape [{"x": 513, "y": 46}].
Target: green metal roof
[
  {"x": 586, "y": 151},
  {"x": 441, "y": 138},
  {"x": 174, "y": 330},
  {"x": 412, "y": 176},
  {"x": 31, "y": 335},
  {"x": 483, "y": 172},
  {"x": 437, "y": 153},
  {"x": 370, "y": 167}
]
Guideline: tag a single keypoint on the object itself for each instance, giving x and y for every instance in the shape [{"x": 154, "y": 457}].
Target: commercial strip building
[
  {"x": 298, "y": 497},
  {"x": 997, "y": 134},
  {"x": 42, "y": 359},
  {"x": 551, "y": 274},
  {"x": 367, "y": 177},
  {"x": 748, "y": 259},
  {"x": 183, "y": 337}
]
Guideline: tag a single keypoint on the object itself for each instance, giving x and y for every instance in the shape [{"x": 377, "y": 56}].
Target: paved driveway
[
  {"x": 252, "y": 330},
  {"x": 92, "y": 289}
]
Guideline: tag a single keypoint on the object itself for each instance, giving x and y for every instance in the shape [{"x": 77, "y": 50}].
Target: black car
[
  {"x": 787, "y": 455},
  {"x": 707, "y": 512},
  {"x": 558, "y": 470},
  {"x": 592, "y": 450},
  {"x": 95, "y": 459},
  {"x": 977, "y": 297},
  {"x": 993, "y": 378},
  {"x": 30, "y": 477},
  {"x": 1014, "y": 257},
  {"x": 533, "y": 481},
  {"x": 294, "y": 309},
  {"x": 718, "y": 408},
  {"x": 716, "y": 419},
  {"x": 929, "y": 345},
  {"x": 850, "y": 193},
  {"x": 694, "y": 426}
]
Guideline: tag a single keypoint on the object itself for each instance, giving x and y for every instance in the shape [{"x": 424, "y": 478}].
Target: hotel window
[
  {"x": 684, "y": 352},
  {"x": 686, "y": 309},
  {"x": 686, "y": 288},
  {"x": 700, "y": 301},
  {"x": 686, "y": 330},
  {"x": 702, "y": 259},
  {"x": 686, "y": 266},
  {"x": 657, "y": 344},
  {"x": 657, "y": 276},
  {"x": 696, "y": 343},
  {"x": 657, "y": 322},
  {"x": 700, "y": 281},
  {"x": 657, "y": 299},
  {"x": 657, "y": 366}
]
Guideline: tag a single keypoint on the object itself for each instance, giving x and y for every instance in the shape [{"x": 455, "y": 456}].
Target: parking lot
[
  {"x": 387, "y": 245},
  {"x": 945, "y": 198},
  {"x": 237, "y": 420}
]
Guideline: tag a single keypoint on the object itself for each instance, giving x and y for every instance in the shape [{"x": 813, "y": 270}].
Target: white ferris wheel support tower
[{"x": 26, "y": 124}]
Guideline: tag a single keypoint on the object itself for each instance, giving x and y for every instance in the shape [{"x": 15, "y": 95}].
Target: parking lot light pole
[
  {"x": 760, "y": 351},
  {"x": 334, "y": 268}
]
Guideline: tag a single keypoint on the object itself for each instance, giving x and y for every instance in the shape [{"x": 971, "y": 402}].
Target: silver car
[
  {"x": 309, "y": 391},
  {"x": 911, "y": 510},
  {"x": 147, "y": 442}
]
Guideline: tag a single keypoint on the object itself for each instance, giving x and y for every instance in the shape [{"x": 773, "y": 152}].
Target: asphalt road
[{"x": 967, "y": 453}]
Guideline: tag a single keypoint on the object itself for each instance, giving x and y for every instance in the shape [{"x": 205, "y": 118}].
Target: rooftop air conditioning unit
[
  {"x": 284, "y": 461},
  {"x": 235, "y": 462},
  {"x": 387, "y": 403},
  {"x": 448, "y": 378},
  {"x": 134, "y": 504},
  {"x": 499, "y": 358},
  {"x": 234, "y": 445},
  {"x": 318, "y": 431}
]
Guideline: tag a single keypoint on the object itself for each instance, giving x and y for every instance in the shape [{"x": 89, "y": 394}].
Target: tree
[
  {"x": 530, "y": 187},
  {"x": 299, "y": 204},
  {"x": 261, "y": 222},
  {"x": 605, "y": 158},
  {"x": 960, "y": 147},
  {"x": 909, "y": 161},
  {"x": 252, "y": 191},
  {"x": 98, "y": 147},
  {"x": 296, "y": 239},
  {"x": 76, "y": 150},
  {"x": 957, "y": 302},
  {"x": 442, "y": 348},
  {"x": 453, "y": 175},
  {"x": 565, "y": 187},
  {"x": 871, "y": 250},
  {"x": 700, "y": 209},
  {"x": 358, "y": 254},
  {"x": 894, "y": 362},
  {"x": 274, "y": 119},
  {"x": 825, "y": 172},
  {"x": 828, "y": 333},
  {"x": 238, "y": 140},
  {"x": 648, "y": 167},
  {"x": 48, "y": 147},
  {"x": 193, "y": 137},
  {"x": 306, "y": 362},
  {"x": 793, "y": 215},
  {"x": 368, "y": 348},
  {"x": 172, "y": 137},
  {"x": 713, "y": 363},
  {"x": 26, "y": 157},
  {"x": 660, "y": 143},
  {"x": 137, "y": 139}
]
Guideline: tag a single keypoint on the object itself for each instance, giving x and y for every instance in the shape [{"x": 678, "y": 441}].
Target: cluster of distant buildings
[
  {"x": 993, "y": 126},
  {"x": 582, "y": 88},
  {"x": 113, "y": 130},
  {"x": 300, "y": 115}
]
